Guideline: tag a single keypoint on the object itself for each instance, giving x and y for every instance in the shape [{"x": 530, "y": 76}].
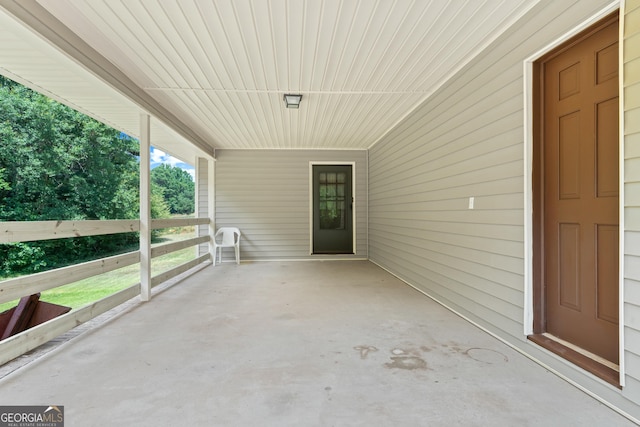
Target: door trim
[
  {"x": 312, "y": 163},
  {"x": 529, "y": 135}
]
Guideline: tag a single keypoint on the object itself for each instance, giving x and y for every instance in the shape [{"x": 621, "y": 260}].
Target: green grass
[{"x": 86, "y": 291}]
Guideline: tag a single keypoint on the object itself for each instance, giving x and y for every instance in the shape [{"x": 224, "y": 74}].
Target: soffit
[{"x": 221, "y": 67}]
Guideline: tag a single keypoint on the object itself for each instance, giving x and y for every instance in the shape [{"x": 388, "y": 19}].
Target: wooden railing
[
  {"x": 29, "y": 231},
  {"x": 167, "y": 248},
  {"x": 11, "y": 289}
]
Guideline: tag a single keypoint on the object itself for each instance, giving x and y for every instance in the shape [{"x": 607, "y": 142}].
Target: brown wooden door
[{"x": 580, "y": 157}]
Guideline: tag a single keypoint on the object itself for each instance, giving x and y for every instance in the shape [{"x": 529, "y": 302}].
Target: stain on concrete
[
  {"x": 364, "y": 350},
  {"x": 408, "y": 363},
  {"x": 328, "y": 389},
  {"x": 407, "y": 358},
  {"x": 450, "y": 348},
  {"x": 407, "y": 351},
  {"x": 486, "y": 355}
]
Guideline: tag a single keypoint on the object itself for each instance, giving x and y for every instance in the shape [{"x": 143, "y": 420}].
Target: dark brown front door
[
  {"x": 332, "y": 209},
  {"x": 579, "y": 90}
]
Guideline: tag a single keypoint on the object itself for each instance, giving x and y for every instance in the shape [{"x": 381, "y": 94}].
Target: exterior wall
[
  {"x": 266, "y": 194},
  {"x": 467, "y": 140},
  {"x": 631, "y": 61}
]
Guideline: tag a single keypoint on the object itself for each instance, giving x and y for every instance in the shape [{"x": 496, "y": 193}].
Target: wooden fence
[{"x": 11, "y": 289}]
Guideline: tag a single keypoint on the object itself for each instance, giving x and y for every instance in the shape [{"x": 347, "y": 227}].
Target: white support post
[
  {"x": 211, "y": 208},
  {"x": 204, "y": 202},
  {"x": 145, "y": 207},
  {"x": 201, "y": 202},
  {"x": 199, "y": 163}
]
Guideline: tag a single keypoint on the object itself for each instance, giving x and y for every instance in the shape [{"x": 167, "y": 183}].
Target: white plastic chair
[{"x": 226, "y": 237}]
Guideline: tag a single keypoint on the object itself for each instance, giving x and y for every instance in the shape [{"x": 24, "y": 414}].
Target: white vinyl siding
[
  {"x": 631, "y": 61},
  {"x": 467, "y": 140},
  {"x": 266, "y": 194}
]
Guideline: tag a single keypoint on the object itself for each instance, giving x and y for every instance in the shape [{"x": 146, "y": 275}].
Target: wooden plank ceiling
[{"x": 221, "y": 67}]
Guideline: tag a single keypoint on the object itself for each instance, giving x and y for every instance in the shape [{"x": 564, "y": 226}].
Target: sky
[{"x": 159, "y": 157}]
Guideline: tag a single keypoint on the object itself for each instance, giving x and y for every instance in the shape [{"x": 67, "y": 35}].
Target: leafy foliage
[
  {"x": 177, "y": 187},
  {"x": 4, "y": 185},
  {"x": 59, "y": 164}
]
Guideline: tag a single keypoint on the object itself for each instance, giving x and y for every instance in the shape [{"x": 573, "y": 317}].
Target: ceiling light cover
[{"x": 292, "y": 101}]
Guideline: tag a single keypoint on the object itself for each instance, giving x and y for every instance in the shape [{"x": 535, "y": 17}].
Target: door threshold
[{"x": 601, "y": 368}]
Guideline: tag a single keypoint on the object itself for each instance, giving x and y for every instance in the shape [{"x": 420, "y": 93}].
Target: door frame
[
  {"x": 313, "y": 163},
  {"x": 530, "y": 87}
]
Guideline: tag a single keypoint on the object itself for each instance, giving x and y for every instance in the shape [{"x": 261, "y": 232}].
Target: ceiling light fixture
[{"x": 292, "y": 101}]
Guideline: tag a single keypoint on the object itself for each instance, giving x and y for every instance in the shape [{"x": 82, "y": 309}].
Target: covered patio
[
  {"x": 296, "y": 343},
  {"x": 428, "y": 314}
]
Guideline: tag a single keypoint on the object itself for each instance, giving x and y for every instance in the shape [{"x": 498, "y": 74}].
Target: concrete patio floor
[{"x": 296, "y": 344}]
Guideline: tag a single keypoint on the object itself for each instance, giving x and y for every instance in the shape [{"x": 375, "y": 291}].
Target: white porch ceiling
[{"x": 221, "y": 67}]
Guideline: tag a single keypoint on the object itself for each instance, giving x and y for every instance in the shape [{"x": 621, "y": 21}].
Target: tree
[
  {"x": 4, "y": 185},
  {"x": 177, "y": 188},
  {"x": 59, "y": 164}
]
